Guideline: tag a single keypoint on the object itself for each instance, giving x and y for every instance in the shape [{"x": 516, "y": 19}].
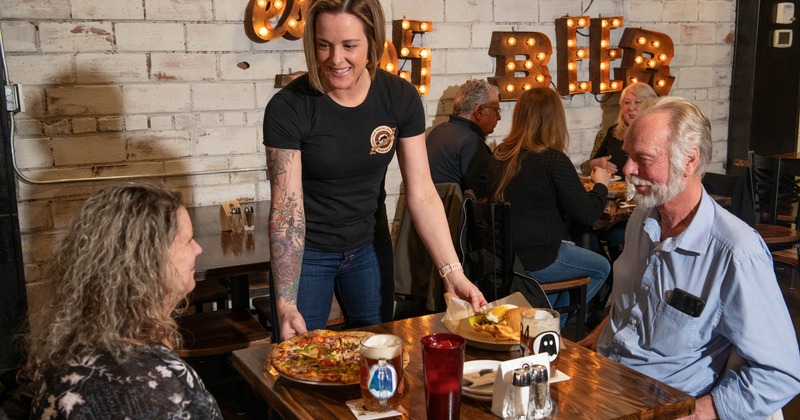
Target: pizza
[{"x": 322, "y": 356}]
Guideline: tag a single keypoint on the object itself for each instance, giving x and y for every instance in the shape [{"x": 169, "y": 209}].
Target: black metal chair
[
  {"x": 489, "y": 261},
  {"x": 764, "y": 181}
]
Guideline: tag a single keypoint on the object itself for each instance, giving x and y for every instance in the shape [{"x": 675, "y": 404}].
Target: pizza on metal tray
[{"x": 323, "y": 356}]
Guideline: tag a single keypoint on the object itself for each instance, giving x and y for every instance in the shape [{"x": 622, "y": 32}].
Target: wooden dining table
[
  {"x": 598, "y": 388},
  {"x": 231, "y": 255}
]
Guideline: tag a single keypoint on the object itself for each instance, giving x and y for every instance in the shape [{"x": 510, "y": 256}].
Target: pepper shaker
[
  {"x": 236, "y": 219},
  {"x": 540, "y": 405},
  {"x": 249, "y": 219},
  {"x": 520, "y": 394}
]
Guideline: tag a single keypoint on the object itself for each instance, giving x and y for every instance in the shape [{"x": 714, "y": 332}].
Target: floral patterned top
[{"x": 154, "y": 383}]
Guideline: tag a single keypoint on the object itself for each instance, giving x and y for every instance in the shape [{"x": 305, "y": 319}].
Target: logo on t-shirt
[{"x": 382, "y": 139}]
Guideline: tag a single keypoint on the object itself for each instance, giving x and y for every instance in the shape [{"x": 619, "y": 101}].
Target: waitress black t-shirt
[{"x": 345, "y": 154}]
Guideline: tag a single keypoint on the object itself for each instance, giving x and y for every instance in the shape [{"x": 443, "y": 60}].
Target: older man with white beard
[{"x": 695, "y": 302}]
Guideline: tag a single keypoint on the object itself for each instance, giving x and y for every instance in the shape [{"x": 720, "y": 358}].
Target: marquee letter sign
[
  {"x": 602, "y": 55},
  {"x": 569, "y": 54},
  {"x": 403, "y": 36},
  {"x": 646, "y": 59},
  {"x": 271, "y": 19},
  {"x": 522, "y": 59}
]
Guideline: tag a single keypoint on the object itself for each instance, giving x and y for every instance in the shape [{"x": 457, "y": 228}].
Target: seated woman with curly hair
[{"x": 106, "y": 346}]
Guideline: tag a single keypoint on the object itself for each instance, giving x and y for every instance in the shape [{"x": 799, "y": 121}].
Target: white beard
[{"x": 659, "y": 193}]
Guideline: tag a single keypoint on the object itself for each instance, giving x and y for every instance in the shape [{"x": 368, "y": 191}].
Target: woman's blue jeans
[
  {"x": 573, "y": 261},
  {"x": 362, "y": 281}
]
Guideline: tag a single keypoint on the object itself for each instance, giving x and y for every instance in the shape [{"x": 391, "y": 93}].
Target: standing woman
[
  {"x": 609, "y": 154},
  {"x": 330, "y": 136},
  {"x": 105, "y": 347},
  {"x": 531, "y": 171}
]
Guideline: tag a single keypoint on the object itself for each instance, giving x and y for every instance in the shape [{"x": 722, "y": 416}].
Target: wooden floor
[{"x": 226, "y": 394}]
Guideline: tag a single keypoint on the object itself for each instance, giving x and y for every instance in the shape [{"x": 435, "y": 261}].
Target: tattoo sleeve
[{"x": 287, "y": 225}]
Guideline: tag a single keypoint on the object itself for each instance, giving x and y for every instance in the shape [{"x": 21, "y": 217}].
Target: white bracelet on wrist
[{"x": 448, "y": 268}]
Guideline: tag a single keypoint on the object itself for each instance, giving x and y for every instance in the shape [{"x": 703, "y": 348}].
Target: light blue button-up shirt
[{"x": 725, "y": 262}]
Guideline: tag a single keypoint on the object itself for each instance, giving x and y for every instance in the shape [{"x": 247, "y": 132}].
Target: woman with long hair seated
[
  {"x": 105, "y": 348},
  {"x": 531, "y": 171}
]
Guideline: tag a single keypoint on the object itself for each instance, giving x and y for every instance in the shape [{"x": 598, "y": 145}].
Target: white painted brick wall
[
  {"x": 175, "y": 86},
  {"x": 93, "y": 9},
  {"x": 76, "y": 36}
]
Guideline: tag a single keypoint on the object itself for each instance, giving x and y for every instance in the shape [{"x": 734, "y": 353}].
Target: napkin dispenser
[{"x": 225, "y": 214}]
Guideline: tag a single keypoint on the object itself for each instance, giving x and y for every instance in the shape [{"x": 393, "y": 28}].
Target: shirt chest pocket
[{"x": 672, "y": 332}]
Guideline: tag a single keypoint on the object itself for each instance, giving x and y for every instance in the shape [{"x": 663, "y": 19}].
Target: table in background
[
  {"x": 598, "y": 385},
  {"x": 231, "y": 255}
]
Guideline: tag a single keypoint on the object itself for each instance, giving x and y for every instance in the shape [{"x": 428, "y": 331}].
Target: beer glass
[
  {"x": 381, "y": 371},
  {"x": 541, "y": 333},
  {"x": 443, "y": 369}
]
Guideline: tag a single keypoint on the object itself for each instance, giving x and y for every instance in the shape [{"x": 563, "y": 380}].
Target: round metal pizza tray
[{"x": 305, "y": 382}]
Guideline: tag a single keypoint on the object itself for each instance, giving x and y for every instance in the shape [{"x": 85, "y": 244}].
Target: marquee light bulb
[
  {"x": 278, "y": 4},
  {"x": 389, "y": 67},
  {"x": 570, "y": 66},
  {"x": 661, "y": 83},
  {"x": 580, "y": 53},
  {"x": 656, "y": 44},
  {"x": 404, "y": 52},
  {"x": 262, "y": 3},
  {"x": 292, "y": 23},
  {"x": 425, "y": 53},
  {"x": 662, "y": 57},
  {"x": 540, "y": 78},
  {"x": 612, "y": 53},
  {"x": 603, "y": 65},
  {"x": 602, "y": 86},
  {"x": 603, "y": 43},
  {"x": 263, "y": 31},
  {"x": 422, "y": 89},
  {"x": 423, "y": 71},
  {"x": 541, "y": 56},
  {"x": 615, "y": 23},
  {"x": 570, "y": 23},
  {"x": 526, "y": 86},
  {"x": 571, "y": 87},
  {"x": 570, "y": 43},
  {"x": 651, "y": 63},
  {"x": 511, "y": 40},
  {"x": 531, "y": 42},
  {"x": 581, "y": 22},
  {"x": 634, "y": 80},
  {"x": 423, "y": 26},
  {"x": 511, "y": 65},
  {"x": 529, "y": 64},
  {"x": 406, "y": 24},
  {"x": 509, "y": 88},
  {"x": 604, "y": 23},
  {"x": 614, "y": 85},
  {"x": 638, "y": 59},
  {"x": 642, "y": 40},
  {"x": 584, "y": 85}
]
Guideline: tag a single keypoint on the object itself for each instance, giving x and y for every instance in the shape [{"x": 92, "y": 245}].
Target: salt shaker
[
  {"x": 520, "y": 394},
  {"x": 540, "y": 405}
]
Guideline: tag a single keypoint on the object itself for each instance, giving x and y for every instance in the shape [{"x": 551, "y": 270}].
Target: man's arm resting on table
[{"x": 590, "y": 341}]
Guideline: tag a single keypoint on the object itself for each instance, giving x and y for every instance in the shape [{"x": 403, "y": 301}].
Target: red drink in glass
[{"x": 443, "y": 367}]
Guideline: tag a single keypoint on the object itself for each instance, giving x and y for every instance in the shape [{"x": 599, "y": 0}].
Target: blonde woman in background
[
  {"x": 609, "y": 154},
  {"x": 106, "y": 346}
]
